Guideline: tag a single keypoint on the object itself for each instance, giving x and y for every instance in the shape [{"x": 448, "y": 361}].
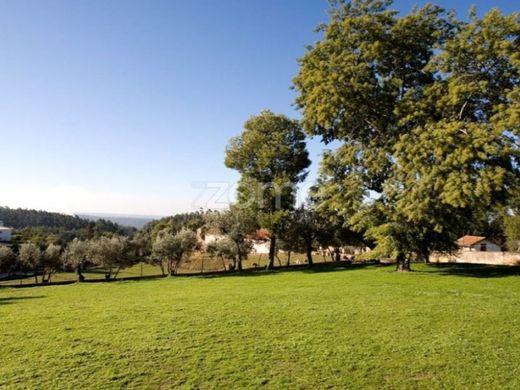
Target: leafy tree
[
  {"x": 236, "y": 224},
  {"x": 272, "y": 158},
  {"x": 302, "y": 232},
  {"x": 51, "y": 261},
  {"x": 512, "y": 230},
  {"x": 426, "y": 110},
  {"x": 173, "y": 249},
  {"x": 7, "y": 258},
  {"x": 223, "y": 249},
  {"x": 113, "y": 254},
  {"x": 76, "y": 256},
  {"x": 30, "y": 257}
]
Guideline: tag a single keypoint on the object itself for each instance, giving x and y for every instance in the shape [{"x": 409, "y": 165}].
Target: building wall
[
  {"x": 490, "y": 247},
  {"x": 5, "y": 235},
  {"x": 261, "y": 247},
  {"x": 477, "y": 257}
]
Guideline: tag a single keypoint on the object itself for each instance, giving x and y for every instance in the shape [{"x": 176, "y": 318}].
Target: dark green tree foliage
[
  {"x": 174, "y": 224},
  {"x": 272, "y": 158},
  {"x": 42, "y": 227},
  {"x": 237, "y": 224},
  {"x": 426, "y": 110},
  {"x": 7, "y": 258}
]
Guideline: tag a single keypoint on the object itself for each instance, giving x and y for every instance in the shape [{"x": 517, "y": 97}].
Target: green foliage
[
  {"x": 172, "y": 249},
  {"x": 51, "y": 261},
  {"x": 76, "y": 256},
  {"x": 7, "y": 258},
  {"x": 272, "y": 158},
  {"x": 426, "y": 110},
  {"x": 30, "y": 256},
  {"x": 112, "y": 254},
  {"x": 512, "y": 231},
  {"x": 42, "y": 227},
  {"x": 174, "y": 224}
]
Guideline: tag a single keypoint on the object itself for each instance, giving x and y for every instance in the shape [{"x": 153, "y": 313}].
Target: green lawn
[
  {"x": 196, "y": 264},
  {"x": 349, "y": 328}
]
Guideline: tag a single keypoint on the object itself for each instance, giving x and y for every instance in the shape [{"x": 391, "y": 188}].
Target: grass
[
  {"x": 438, "y": 327},
  {"x": 197, "y": 263}
]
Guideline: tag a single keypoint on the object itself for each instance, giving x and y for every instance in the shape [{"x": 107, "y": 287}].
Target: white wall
[{"x": 492, "y": 258}]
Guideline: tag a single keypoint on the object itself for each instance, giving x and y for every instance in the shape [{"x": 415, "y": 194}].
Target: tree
[
  {"x": 76, "y": 255},
  {"x": 426, "y": 110},
  {"x": 512, "y": 228},
  {"x": 236, "y": 224},
  {"x": 113, "y": 254},
  {"x": 302, "y": 232},
  {"x": 173, "y": 249},
  {"x": 272, "y": 158},
  {"x": 223, "y": 249},
  {"x": 7, "y": 258},
  {"x": 30, "y": 257},
  {"x": 51, "y": 261}
]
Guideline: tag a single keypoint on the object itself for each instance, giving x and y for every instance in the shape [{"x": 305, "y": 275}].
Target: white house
[
  {"x": 261, "y": 247},
  {"x": 5, "y": 233},
  {"x": 477, "y": 244}
]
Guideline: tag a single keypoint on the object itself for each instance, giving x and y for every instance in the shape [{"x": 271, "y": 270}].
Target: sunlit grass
[{"x": 349, "y": 328}]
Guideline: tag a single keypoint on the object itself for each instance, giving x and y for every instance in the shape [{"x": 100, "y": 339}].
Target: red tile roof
[{"x": 468, "y": 241}]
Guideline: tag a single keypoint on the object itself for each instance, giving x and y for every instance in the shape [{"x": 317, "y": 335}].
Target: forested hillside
[{"x": 40, "y": 226}]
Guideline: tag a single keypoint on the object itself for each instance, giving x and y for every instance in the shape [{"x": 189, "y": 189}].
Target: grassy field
[
  {"x": 198, "y": 263},
  {"x": 438, "y": 327}
]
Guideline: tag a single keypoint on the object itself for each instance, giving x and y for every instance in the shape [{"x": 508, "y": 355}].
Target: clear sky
[{"x": 126, "y": 106}]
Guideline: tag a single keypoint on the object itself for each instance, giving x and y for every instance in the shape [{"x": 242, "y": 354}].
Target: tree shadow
[
  {"x": 11, "y": 300},
  {"x": 474, "y": 270},
  {"x": 305, "y": 268}
]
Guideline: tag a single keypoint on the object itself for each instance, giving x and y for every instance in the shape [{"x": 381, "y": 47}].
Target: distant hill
[
  {"x": 124, "y": 220},
  {"x": 24, "y": 218}
]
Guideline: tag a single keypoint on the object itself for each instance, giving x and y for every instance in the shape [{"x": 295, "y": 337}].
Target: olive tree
[
  {"x": 30, "y": 257},
  {"x": 112, "y": 254},
  {"x": 51, "y": 261},
  {"x": 7, "y": 258},
  {"x": 173, "y": 249},
  {"x": 76, "y": 256}
]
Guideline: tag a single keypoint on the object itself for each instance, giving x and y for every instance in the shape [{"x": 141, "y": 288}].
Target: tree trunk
[
  {"x": 272, "y": 252},
  {"x": 309, "y": 256},
  {"x": 117, "y": 272},
  {"x": 337, "y": 255},
  {"x": 36, "y": 277},
  {"x": 81, "y": 278},
  {"x": 239, "y": 262},
  {"x": 288, "y": 264},
  {"x": 403, "y": 263}
]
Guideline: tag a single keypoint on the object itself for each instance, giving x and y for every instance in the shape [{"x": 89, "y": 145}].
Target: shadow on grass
[
  {"x": 317, "y": 268},
  {"x": 474, "y": 270},
  {"x": 11, "y": 300}
]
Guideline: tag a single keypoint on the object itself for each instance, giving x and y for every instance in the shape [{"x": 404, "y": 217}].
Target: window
[{"x": 483, "y": 247}]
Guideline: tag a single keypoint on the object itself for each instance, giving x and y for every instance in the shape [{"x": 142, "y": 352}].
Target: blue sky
[{"x": 126, "y": 106}]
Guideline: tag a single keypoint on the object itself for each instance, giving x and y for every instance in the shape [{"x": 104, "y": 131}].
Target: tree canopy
[{"x": 426, "y": 110}]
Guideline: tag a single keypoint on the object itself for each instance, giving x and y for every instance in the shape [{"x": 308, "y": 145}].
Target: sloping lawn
[{"x": 438, "y": 327}]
